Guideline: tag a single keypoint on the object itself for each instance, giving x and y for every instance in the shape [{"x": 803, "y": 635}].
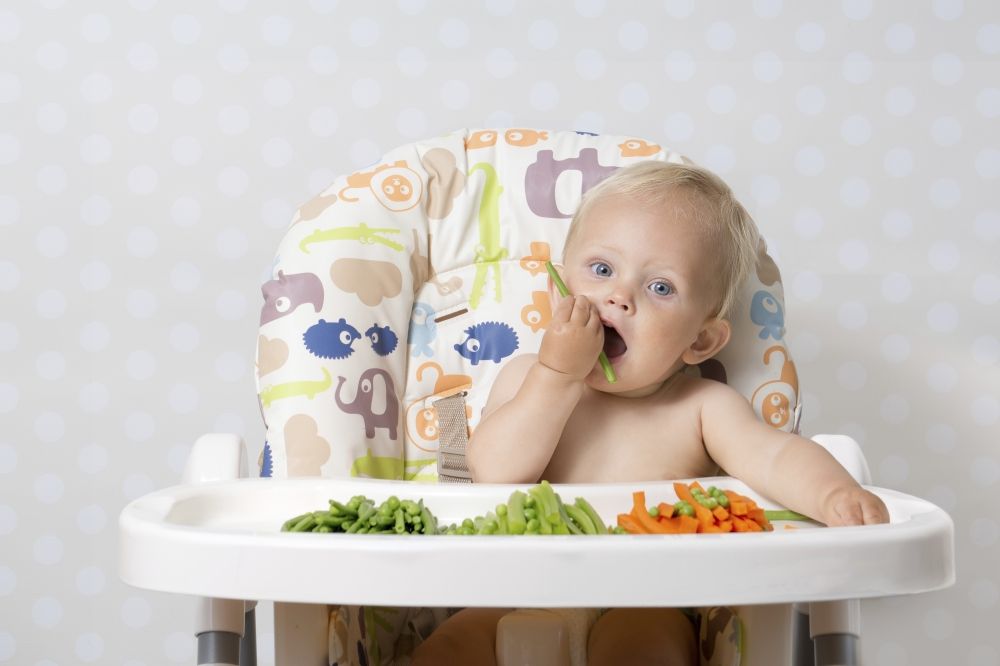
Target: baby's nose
[{"x": 620, "y": 300}]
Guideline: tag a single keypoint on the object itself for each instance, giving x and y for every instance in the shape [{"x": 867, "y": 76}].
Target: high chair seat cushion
[{"x": 422, "y": 274}]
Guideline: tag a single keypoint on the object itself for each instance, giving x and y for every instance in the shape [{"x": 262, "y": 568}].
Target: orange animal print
[
  {"x": 524, "y": 138},
  {"x": 638, "y": 148},
  {"x": 481, "y": 139},
  {"x": 396, "y": 186},
  {"x": 538, "y": 314},
  {"x": 534, "y": 263},
  {"x": 422, "y": 426},
  {"x": 775, "y": 400}
]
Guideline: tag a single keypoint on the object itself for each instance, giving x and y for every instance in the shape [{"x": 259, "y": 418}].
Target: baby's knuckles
[{"x": 571, "y": 348}]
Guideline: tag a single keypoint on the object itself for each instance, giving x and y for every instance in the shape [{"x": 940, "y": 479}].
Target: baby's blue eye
[
  {"x": 661, "y": 288},
  {"x": 600, "y": 268}
]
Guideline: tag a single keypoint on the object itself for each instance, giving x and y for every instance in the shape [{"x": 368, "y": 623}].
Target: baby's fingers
[
  {"x": 874, "y": 510},
  {"x": 564, "y": 308},
  {"x": 581, "y": 311}
]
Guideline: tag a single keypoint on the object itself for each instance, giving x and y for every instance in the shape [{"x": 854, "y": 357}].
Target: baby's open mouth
[{"x": 614, "y": 345}]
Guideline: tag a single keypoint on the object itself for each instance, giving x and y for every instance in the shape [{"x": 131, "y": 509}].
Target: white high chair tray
[{"x": 223, "y": 540}]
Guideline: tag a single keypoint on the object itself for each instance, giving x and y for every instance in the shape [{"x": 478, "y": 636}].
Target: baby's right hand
[{"x": 573, "y": 339}]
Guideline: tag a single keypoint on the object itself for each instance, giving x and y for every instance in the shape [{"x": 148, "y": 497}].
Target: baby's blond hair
[{"x": 730, "y": 227}]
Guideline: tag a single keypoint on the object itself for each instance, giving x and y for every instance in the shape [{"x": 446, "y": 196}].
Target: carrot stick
[
  {"x": 629, "y": 524},
  {"x": 703, "y": 515},
  {"x": 641, "y": 514},
  {"x": 720, "y": 513},
  {"x": 666, "y": 510}
]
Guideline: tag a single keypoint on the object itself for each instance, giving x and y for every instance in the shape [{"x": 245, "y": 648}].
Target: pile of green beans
[
  {"x": 360, "y": 515},
  {"x": 539, "y": 511}
]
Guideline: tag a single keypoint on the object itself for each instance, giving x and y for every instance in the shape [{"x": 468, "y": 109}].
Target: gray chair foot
[
  {"x": 836, "y": 650},
  {"x": 219, "y": 647}
]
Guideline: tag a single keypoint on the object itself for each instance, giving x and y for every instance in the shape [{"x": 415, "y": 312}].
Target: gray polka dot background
[{"x": 151, "y": 154}]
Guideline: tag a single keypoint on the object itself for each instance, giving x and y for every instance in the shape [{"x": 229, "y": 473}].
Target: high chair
[{"x": 396, "y": 296}]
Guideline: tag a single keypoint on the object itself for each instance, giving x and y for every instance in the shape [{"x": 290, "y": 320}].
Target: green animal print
[
  {"x": 294, "y": 389},
  {"x": 362, "y": 233},
  {"x": 488, "y": 252}
]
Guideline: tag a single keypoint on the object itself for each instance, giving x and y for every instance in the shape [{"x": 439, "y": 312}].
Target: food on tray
[
  {"x": 360, "y": 515},
  {"x": 700, "y": 511}
]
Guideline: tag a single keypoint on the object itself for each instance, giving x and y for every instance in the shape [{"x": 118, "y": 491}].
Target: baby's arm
[
  {"x": 789, "y": 469},
  {"x": 533, "y": 397}
]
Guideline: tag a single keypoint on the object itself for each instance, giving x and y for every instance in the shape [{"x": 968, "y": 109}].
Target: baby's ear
[
  {"x": 554, "y": 295},
  {"x": 711, "y": 339}
]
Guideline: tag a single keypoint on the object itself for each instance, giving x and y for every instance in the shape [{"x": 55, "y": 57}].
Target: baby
[{"x": 655, "y": 256}]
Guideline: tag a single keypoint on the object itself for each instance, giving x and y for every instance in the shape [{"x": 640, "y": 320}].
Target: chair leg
[
  {"x": 300, "y": 634},
  {"x": 248, "y": 644},
  {"x": 803, "y": 653},
  {"x": 219, "y": 625},
  {"x": 835, "y": 627}
]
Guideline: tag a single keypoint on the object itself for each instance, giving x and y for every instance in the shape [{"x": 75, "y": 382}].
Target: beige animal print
[
  {"x": 370, "y": 280},
  {"x": 307, "y": 451}
]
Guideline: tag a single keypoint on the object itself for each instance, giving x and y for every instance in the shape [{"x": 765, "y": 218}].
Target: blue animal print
[
  {"x": 765, "y": 311},
  {"x": 266, "y": 461},
  {"x": 383, "y": 340},
  {"x": 331, "y": 340},
  {"x": 423, "y": 330},
  {"x": 488, "y": 341}
]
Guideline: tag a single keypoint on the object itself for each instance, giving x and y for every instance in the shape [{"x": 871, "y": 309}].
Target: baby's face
[{"x": 649, "y": 271}]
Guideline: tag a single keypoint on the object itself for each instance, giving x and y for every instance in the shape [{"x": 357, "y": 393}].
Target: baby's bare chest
[{"x": 608, "y": 441}]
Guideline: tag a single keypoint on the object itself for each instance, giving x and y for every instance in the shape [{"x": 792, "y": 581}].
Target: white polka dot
[
  {"x": 543, "y": 95},
  {"x": 48, "y": 488},
  {"x": 323, "y": 122},
  {"x": 767, "y": 8},
  {"x": 986, "y": 289},
  {"x": 8, "y": 520},
  {"x": 942, "y": 317},
  {"x": 942, "y": 377},
  {"x": 183, "y": 398},
  {"x": 680, "y": 66},
  {"x": 501, "y": 63},
  {"x": 810, "y": 161},
  {"x": 983, "y": 593},
  {"x": 91, "y": 519},
  {"x": 231, "y": 367},
  {"x": 365, "y": 32},
  {"x": 988, "y": 163},
  {"x": 141, "y": 242},
  {"x": 324, "y": 60},
  {"x": 8, "y": 580},
  {"x": 411, "y": 7},
  {"x": 89, "y": 647},
  {"x": 9, "y": 336},
  {"x": 897, "y": 225},
  {"x": 986, "y": 350},
  {"x": 233, "y": 59},
  {"x": 234, "y": 120},
  {"x": 894, "y": 408},
  {"x": 899, "y": 101},
  {"x": 945, "y": 193},
  {"x": 633, "y": 97},
  {"x": 10, "y": 26},
  {"x": 8, "y": 459},
  {"x": 984, "y": 532},
  {"x": 852, "y": 315},
  {"x": 810, "y": 37},
  {"x": 95, "y": 276},
  {"x": 767, "y": 67},
  {"x": 767, "y": 128},
  {"x": 96, "y": 88},
  {"x": 94, "y": 337},
  {"x": 896, "y": 287},
  {"x": 807, "y": 286},
  {"x": 899, "y": 38},
  {"x": 987, "y": 225},
  {"x": 48, "y": 549},
  {"x": 720, "y": 36},
  {"x": 143, "y": 118},
  {"x": 278, "y": 91},
  {"x": 185, "y": 29},
  {"x": 855, "y": 192},
  {"x": 808, "y": 222},
  {"x": 857, "y": 68},
  {"x": 365, "y": 152},
  {"x": 984, "y": 470},
  {"x": 366, "y": 93},
  {"x": 46, "y": 612},
  {"x": 988, "y": 39},
  {"x": 184, "y": 337},
  {"x": 455, "y": 94},
  {"x": 590, "y": 8},
  {"x": 10, "y": 395},
  {"x": 231, "y": 305},
  {"x": 10, "y": 150},
  {"x": 136, "y": 485},
  {"x": 941, "y": 438},
  {"x": 720, "y": 159},
  {"x": 680, "y": 8},
  {"x": 10, "y": 210},
  {"x": 857, "y": 10},
  {"x": 10, "y": 276},
  {"x": 143, "y": 57},
  {"x": 136, "y": 612},
  {"x": 852, "y": 375},
  {"x": 92, "y": 459},
  {"x": 947, "y": 68},
  {"x": 52, "y": 56},
  {"x": 51, "y": 179},
  {"x": 948, "y": 10},
  {"x": 96, "y": 210},
  {"x": 139, "y": 426},
  {"x": 943, "y": 256},
  {"x": 985, "y": 410},
  {"x": 988, "y": 102},
  {"x": 96, "y": 149},
  {"x": 10, "y": 88},
  {"x": 50, "y": 427},
  {"x": 543, "y": 34},
  {"x": 590, "y": 64},
  {"x": 632, "y": 36},
  {"x": 893, "y": 471},
  {"x": 454, "y": 33},
  {"x": 93, "y": 398},
  {"x": 141, "y": 303},
  {"x": 856, "y": 130},
  {"x": 90, "y": 581},
  {"x": 946, "y": 131},
  {"x": 187, "y": 90}
]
